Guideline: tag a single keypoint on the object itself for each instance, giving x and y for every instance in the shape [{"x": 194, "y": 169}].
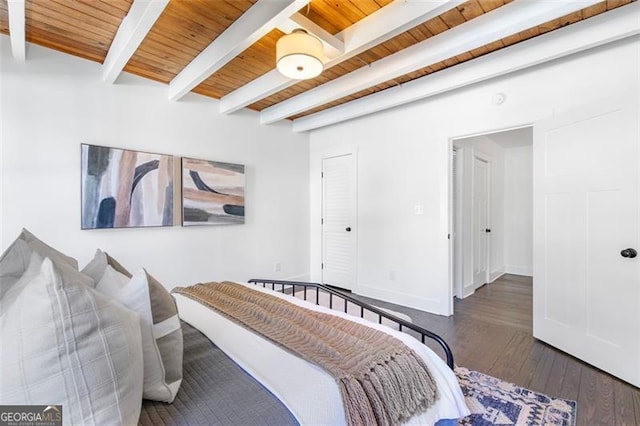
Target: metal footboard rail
[{"x": 310, "y": 289}]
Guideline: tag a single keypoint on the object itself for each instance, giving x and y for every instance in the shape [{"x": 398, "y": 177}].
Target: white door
[
  {"x": 338, "y": 221},
  {"x": 480, "y": 220},
  {"x": 586, "y": 294}
]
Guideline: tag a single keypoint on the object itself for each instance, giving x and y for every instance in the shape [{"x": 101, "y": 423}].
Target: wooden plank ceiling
[{"x": 86, "y": 28}]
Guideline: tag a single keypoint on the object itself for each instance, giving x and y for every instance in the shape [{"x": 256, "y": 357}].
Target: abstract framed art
[
  {"x": 122, "y": 188},
  {"x": 212, "y": 192}
]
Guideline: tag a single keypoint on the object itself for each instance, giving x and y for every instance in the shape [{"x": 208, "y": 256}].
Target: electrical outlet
[
  {"x": 418, "y": 209},
  {"x": 392, "y": 275},
  {"x": 277, "y": 267}
]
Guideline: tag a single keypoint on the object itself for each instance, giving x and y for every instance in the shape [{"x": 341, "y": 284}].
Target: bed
[
  {"x": 100, "y": 340},
  {"x": 225, "y": 383}
]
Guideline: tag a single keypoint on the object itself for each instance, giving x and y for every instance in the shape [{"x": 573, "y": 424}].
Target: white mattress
[{"x": 306, "y": 390}]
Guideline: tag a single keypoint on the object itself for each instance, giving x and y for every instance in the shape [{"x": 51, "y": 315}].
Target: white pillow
[
  {"x": 161, "y": 337},
  {"x": 64, "y": 343}
]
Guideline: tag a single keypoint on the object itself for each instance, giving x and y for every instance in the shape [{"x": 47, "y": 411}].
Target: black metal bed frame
[{"x": 290, "y": 287}]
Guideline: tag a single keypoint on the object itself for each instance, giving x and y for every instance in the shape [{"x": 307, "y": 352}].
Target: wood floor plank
[
  {"x": 623, "y": 398},
  {"x": 604, "y": 403},
  {"x": 527, "y": 368},
  {"x": 596, "y": 399},
  {"x": 542, "y": 371},
  {"x": 636, "y": 404},
  {"x": 571, "y": 382},
  {"x": 483, "y": 357},
  {"x": 556, "y": 376},
  {"x": 588, "y": 394},
  {"x": 505, "y": 365}
]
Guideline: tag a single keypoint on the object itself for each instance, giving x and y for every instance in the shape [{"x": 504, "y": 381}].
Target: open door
[{"x": 586, "y": 285}]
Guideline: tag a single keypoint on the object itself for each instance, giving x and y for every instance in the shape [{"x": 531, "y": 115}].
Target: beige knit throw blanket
[{"x": 381, "y": 380}]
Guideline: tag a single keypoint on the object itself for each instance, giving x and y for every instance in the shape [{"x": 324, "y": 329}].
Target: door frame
[
  {"x": 451, "y": 214},
  {"x": 316, "y": 157},
  {"x": 456, "y": 239}
]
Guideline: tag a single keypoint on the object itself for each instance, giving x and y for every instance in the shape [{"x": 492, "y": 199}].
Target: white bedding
[{"x": 306, "y": 390}]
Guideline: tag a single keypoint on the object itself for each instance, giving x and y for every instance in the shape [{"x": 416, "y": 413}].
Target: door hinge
[
  {"x": 321, "y": 221},
  {"x": 448, "y": 236},
  {"x": 321, "y": 174},
  {"x": 322, "y": 266}
]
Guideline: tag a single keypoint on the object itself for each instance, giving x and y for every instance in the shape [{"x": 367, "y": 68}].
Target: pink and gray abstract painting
[
  {"x": 212, "y": 192},
  {"x": 123, "y": 188}
]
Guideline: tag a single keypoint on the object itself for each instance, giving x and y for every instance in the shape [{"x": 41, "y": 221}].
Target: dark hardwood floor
[{"x": 491, "y": 332}]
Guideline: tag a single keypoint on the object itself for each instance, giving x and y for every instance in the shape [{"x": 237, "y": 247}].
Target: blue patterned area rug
[{"x": 495, "y": 402}]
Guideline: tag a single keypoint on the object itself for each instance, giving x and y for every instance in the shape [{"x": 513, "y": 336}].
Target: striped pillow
[{"x": 64, "y": 343}]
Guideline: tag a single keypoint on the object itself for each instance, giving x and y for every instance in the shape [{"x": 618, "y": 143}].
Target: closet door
[
  {"x": 339, "y": 221},
  {"x": 586, "y": 233}
]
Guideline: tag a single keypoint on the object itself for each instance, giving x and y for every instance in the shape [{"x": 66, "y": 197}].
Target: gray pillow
[
  {"x": 15, "y": 259},
  {"x": 167, "y": 332},
  {"x": 160, "y": 324},
  {"x": 13, "y": 263},
  {"x": 95, "y": 268},
  {"x": 71, "y": 346},
  {"x": 46, "y": 250}
]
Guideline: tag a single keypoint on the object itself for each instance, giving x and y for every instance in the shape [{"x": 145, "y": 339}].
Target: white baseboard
[
  {"x": 496, "y": 274},
  {"x": 468, "y": 289},
  {"x": 302, "y": 277},
  {"x": 519, "y": 270},
  {"x": 422, "y": 303}
]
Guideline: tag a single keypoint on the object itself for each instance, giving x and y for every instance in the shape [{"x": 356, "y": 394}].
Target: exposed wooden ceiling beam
[
  {"x": 597, "y": 31},
  {"x": 263, "y": 86},
  {"x": 384, "y": 24},
  {"x": 502, "y": 22},
  {"x": 133, "y": 29},
  {"x": 16, "y": 12},
  {"x": 256, "y": 22}
]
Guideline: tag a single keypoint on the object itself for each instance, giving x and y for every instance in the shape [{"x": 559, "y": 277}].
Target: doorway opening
[{"x": 491, "y": 208}]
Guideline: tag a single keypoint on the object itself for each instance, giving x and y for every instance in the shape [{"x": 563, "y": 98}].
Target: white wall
[
  {"x": 518, "y": 210},
  {"x": 54, "y": 102},
  {"x": 403, "y": 161}
]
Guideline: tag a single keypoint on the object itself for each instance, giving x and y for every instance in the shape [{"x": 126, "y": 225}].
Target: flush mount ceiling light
[{"x": 299, "y": 55}]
